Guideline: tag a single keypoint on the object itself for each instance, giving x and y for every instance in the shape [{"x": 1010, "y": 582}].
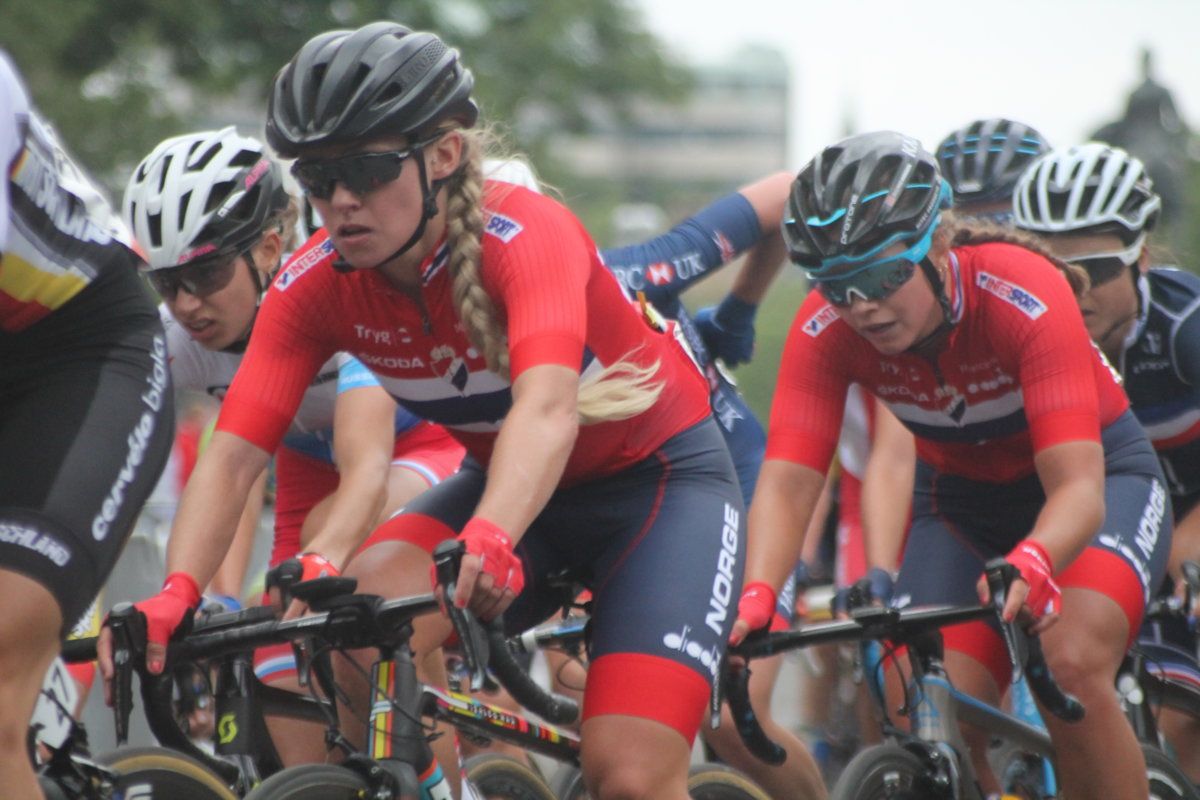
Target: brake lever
[
  {"x": 128, "y": 626},
  {"x": 447, "y": 558},
  {"x": 1000, "y": 574}
]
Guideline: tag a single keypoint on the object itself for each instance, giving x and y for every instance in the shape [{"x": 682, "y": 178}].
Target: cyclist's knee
[
  {"x": 626, "y": 758},
  {"x": 391, "y": 569}
]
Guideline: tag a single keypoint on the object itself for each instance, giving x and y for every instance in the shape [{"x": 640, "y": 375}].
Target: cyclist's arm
[
  {"x": 212, "y": 505},
  {"x": 887, "y": 489},
  {"x": 1072, "y": 476},
  {"x": 232, "y": 573},
  {"x": 763, "y": 261},
  {"x": 783, "y": 505},
  {"x": 532, "y": 448},
  {"x": 363, "y": 439}
]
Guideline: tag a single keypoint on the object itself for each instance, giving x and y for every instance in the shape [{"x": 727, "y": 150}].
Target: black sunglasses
[
  {"x": 360, "y": 173},
  {"x": 1104, "y": 269},
  {"x": 198, "y": 280}
]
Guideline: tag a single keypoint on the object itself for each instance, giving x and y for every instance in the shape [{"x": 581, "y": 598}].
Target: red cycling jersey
[
  {"x": 1016, "y": 375},
  {"x": 546, "y": 279}
]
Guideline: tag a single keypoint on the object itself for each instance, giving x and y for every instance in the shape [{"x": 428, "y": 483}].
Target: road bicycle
[{"x": 931, "y": 761}]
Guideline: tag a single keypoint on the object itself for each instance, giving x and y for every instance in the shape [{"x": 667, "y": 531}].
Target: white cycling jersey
[{"x": 196, "y": 368}]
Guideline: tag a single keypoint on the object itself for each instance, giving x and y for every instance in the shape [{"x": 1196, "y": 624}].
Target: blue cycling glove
[{"x": 728, "y": 329}]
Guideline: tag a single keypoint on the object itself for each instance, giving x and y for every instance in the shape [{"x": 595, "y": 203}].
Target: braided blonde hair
[
  {"x": 958, "y": 231},
  {"x": 619, "y": 391}
]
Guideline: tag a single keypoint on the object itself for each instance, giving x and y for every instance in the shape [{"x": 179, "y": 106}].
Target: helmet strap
[
  {"x": 260, "y": 289},
  {"x": 429, "y": 210},
  {"x": 939, "y": 291}
]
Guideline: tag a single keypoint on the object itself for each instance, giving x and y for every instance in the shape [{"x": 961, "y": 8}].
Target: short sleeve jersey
[
  {"x": 310, "y": 431},
  {"x": 546, "y": 279},
  {"x": 57, "y": 231},
  {"x": 1017, "y": 374},
  {"x": 1161, "y": 366}
]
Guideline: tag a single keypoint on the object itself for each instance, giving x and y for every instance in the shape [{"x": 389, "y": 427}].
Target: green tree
[{"x": 117, "y": 76}]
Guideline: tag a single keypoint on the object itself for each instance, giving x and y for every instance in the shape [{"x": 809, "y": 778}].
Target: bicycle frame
[{"x": 936, "y": 712}]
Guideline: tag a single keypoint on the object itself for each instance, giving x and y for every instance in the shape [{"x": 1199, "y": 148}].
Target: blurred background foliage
[{"x": 117, "y": 76}]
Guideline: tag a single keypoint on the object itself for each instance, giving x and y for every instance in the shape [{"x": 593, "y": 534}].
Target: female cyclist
[
  {"x": 85, "y": 407},
  {"x": 485, "y": 307},
  {"x": 1025, "y": 443},
  {"x": 210, "y": 210},
  {"x": 1094, "y": 206},
  {"x": 660, "y": 270}
]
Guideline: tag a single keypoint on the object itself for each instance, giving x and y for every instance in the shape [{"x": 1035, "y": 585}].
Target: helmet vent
[
  {"x": 184, "y": 200},
  {"x": 154, "y": 223},
  {"x": 162, "y": 174},
  {"x": 245, "y": 158},
  {"x": 207, "y": 156},
  {"x": 217, "y": 195}
]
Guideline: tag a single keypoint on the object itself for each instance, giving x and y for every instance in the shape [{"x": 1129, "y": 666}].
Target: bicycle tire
[
  {"x": 500, "y": 777},
  {"x": 311, "y": 782},
  {"x": 163, "y": 773},
  {"x": 722, "y": 782},
  {"x": 1167, "y": 780},
  {"x": 885, "y": 772},
  {"x": 568, "y": 784}
]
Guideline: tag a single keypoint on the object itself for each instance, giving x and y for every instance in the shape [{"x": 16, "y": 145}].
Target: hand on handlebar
[
  {"x": 165, "y": 612},
  {"x": 491, "y": 575},
  {"x": 312, "y": 566},
  {"x": 755, "y": 610},
  {"x": 1034, "y": 594}
]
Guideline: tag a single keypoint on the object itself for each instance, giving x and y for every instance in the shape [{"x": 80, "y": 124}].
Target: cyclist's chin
[{"x": 889, "y": 338}]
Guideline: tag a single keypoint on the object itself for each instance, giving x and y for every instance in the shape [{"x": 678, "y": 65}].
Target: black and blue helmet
[
  {"x": 984, "y": 159},
  {"x": 859, "y": 197}
]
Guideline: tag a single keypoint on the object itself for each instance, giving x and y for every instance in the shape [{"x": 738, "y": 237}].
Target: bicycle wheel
[
  {"x": 568, "y": 784},
  {"x": 721, "y": 782},
  {"x": 159, "y": 772},
  {"x": 497, "y": 777},
  {"x": 885, "y": 772},
  {"x": 1167, "y": 781},
  {"x": 311, "y": 782}
]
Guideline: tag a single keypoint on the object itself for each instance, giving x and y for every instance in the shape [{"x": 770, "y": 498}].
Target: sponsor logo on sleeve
[
  {"x": 660, "y": 274},
  {"x": 819, "y": 321},
  {"x": 503, "y": 228},
  {"x": 1011, "y": 293},
  {"x": 302, "y": 264}
]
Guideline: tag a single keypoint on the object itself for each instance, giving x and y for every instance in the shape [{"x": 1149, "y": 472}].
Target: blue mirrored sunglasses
[{"x": 875, "y": 282}]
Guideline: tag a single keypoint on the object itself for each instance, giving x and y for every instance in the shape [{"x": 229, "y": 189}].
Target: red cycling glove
[
  {"x": 166, "y": 611},
  {"x": 757, "y": 605},
  {"x": 1033, "y": 562},
  {"x": 315, "y": 565},
  {"x": 496, "y": 557}
]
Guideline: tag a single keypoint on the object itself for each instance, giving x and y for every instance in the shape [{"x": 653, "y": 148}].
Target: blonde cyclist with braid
[{"x": 485, "y": 307}]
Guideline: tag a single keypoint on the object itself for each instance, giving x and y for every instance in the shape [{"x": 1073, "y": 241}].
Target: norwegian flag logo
[
  {"x": 660, "y": 273},
  {"x": 726, "y": 247}
]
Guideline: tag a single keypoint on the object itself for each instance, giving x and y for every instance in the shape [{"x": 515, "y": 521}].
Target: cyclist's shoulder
[{"x": 1173, "y": 290}]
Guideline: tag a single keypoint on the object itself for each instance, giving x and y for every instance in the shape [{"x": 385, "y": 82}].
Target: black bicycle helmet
[
  {"x": 380, "y": 80},
  {"x": 984, "y": 159},
  {"x": 859, "y": 196}
]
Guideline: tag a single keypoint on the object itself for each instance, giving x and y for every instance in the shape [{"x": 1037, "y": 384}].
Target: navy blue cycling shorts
[
  {"x": 661, "y": 547},
  {"x": 958, "y": 525}
]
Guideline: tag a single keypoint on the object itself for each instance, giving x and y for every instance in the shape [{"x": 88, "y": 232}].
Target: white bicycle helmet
[
  {"x": 1091, "y": 187},
  {"x": 202, "y": 195}
]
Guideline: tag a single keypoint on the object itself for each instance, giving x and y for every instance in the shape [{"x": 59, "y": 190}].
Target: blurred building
[
  {"x": 732, "y": 128},
  {"x": 1152, "y": 129}
]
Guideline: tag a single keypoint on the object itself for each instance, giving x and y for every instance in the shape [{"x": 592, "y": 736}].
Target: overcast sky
[{"x": 925, "y": 67}]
